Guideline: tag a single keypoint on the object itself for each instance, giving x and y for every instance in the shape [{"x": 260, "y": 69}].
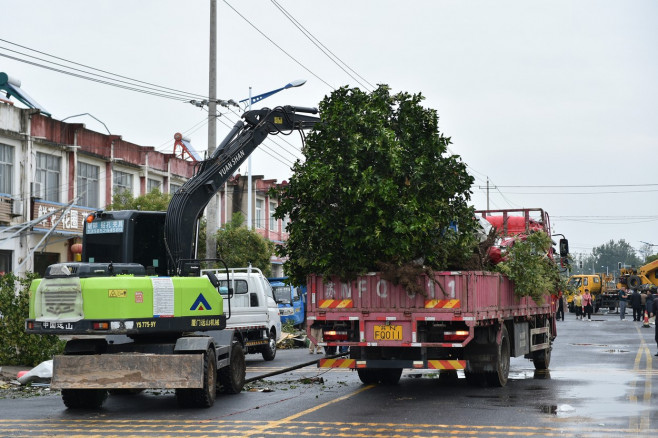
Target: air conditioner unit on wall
[
  {"x": 17, "y": 207},
  {"x": 38, "y": 190}
]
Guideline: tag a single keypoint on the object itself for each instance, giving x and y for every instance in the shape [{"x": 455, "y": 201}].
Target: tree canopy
[
  {"x": 152, "y": 201},
  {"x": 608, "y": 256},
  {"x": 238, "y": 246},
  {"x": 377, "y": 186}
]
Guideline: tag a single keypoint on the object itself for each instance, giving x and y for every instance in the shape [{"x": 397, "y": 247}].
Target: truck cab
[{"x": 291, "y": 300}]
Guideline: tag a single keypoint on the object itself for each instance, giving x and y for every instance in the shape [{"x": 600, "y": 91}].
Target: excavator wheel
[
  {"x": 231, "y": 378},
  {"x": 202, "y": 397},
  {"x": 84, "y": 398}
]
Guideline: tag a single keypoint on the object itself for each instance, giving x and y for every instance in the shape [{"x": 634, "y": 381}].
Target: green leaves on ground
[{"x": 377, "y": 185}]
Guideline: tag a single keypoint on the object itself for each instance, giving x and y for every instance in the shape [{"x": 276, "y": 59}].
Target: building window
[
  {"x": 5, "y": 262},
  {"x": 173, "y": 188},
  {"x": 48, "y": 175},
  {"x": 88, "y": 184},
  {"x": 274, "y": 224},
  {"x": 152, "y": 184},
  {"x": 284, "y": 223},
  {"x": 123, "y": 182},
  {"x": 6, "y": 168},
  {"x": 260, "y": 220}
]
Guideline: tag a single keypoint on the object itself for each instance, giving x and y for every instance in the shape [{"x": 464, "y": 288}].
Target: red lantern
[{"x": 76, "y": 248}]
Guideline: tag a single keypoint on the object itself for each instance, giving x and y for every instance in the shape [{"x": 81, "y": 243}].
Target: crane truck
[
  {"x": 135, "y": 310},
  {"x": 465, "y": 320},
  {"x": 600, "y": 285},
  {"x": 635, "y": 278}
]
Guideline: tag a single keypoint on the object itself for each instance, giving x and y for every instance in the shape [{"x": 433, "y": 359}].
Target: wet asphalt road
[{"x": 601, "y": 383}]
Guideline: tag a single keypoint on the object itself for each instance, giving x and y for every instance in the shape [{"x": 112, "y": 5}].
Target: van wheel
[{"x": 269, "y": 351}]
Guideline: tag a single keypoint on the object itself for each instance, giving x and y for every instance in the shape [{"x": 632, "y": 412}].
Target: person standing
[
  {"x": 636, "y": 304},
  {"x": 560, "y": 306},
  {"x": 578, "y": 305},
  {"x": 650, "y": 299},
  {"x": 623, "y": 297},
  {"x": 643, "y": 306},
  {"x": 316, "y": 332},
  {"x": 587, "y": 304}
]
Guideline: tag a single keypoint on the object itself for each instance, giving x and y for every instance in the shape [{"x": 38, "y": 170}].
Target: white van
[{"x": 251, "y": 311}]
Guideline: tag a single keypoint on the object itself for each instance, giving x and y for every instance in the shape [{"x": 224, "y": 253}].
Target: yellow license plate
[{"x": 388, "y": 333}]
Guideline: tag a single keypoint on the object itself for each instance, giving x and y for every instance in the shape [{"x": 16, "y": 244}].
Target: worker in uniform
[{"x": 578, "y": 305}]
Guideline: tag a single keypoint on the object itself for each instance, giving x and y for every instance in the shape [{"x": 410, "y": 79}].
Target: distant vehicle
[{"x": 291, "y": 300}]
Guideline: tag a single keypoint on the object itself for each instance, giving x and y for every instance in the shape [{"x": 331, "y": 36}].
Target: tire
[
  {"x": 231, "y": 378},
  {"x": 475, "y": 379},
  {"x": 449, "y": 377},
  {"x": 83, "y": 398},
  {"x": 202, "y": 397},
  {"x": 541, "y": 359},
  {"x": 369, "y": 375},
  {"x": 498, "y": 378},
  {"x": 391, "y": 376},
  {"x": 269, "y": 350},
  {"x": 634, "y": 281}
]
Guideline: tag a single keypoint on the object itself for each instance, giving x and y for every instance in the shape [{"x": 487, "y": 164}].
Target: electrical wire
[
  {"x": 278, "y": 46},
  {"x": 175, "y": 91},
  {"x": 332, "y": 56}
]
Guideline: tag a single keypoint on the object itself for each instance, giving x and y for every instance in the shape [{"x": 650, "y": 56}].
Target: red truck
[{"x": 466, "y": 320}]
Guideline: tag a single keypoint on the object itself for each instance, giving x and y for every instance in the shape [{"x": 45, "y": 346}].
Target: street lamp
[{"x": 250, "y": 101}]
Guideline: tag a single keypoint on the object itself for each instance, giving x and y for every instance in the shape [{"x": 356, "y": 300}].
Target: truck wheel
[
  {"x": 369, "y": 375},
  {"x": 634, "y": 281},
  {"x": 391, "y": 376},
  {"x": 202, "y": 397},
  {"x": 474, "y": 379},
  {"x": 541, "y": 359},
  {"x": 83, "y": 398},
  {"x": 498, "y": 378},
  {"x": 269, "y": 351},
  {"x": 231, "y": 378}
]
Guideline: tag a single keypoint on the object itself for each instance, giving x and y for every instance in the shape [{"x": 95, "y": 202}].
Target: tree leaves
[{"x": 377, "y": 185}]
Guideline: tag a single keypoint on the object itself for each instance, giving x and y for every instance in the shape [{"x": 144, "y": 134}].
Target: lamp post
[{"x": 251, "y": 100}]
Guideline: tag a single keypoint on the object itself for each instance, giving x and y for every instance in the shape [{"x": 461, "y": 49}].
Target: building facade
[{"x": 53, "y": 174}]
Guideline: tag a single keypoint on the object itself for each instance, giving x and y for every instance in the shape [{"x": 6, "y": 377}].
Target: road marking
[
  {"x": 288, "y": 419},
  {"x": 641, "y": 422}
]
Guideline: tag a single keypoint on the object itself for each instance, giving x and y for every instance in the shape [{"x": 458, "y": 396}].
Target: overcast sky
[{"x": 533, "y": 93}]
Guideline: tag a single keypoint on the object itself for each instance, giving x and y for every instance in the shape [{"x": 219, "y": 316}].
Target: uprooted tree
[{"x": 378, "y": 190}]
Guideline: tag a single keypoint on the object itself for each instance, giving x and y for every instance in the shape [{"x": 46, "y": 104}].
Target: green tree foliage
[
  {"x": 527, "y": 264},
  {"x": 651, "y": 258},
  {"x": 152, "y": 201},
  {"x": 16, "y": 346},
  {"x": 609, "y": 255},
  {"x": 238, "y": 246},
  {"x": 377, "y": 186}
]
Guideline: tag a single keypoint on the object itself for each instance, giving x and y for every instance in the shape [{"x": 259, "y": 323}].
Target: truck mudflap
[
  {"x": 430, "y": 364},
  {"x": 128, "y": 371}
]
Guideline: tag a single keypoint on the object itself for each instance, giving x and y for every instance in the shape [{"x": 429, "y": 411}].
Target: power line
[
  {"x": 321, "y": 46},
  {"x": 175, "y": 91},
  {"x": 277, "y": 46}
]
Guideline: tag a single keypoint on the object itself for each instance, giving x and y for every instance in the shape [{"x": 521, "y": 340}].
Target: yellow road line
[{"x": 261, "y": 429}]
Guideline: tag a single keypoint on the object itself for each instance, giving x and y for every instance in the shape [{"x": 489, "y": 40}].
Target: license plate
[{"x": 388, "y": 333}]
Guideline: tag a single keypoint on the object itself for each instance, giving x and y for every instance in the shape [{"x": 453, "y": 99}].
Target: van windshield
[{"x": 281, "y": 294}]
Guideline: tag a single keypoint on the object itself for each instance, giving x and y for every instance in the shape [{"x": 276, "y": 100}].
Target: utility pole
[
  {"x": 487, "y": 187},
  {"x": 211, "y": 209}
]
